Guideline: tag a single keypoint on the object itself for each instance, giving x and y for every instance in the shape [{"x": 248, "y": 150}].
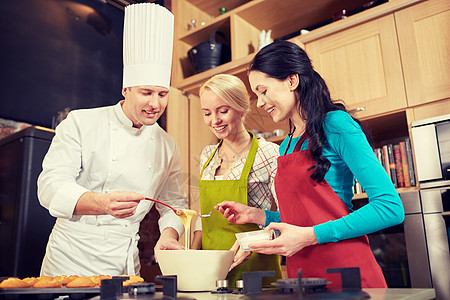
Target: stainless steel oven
[
  {"x": 436, "y": 218},
  {"x": 431, "y": 141},
  {"x": 415, "y": 254}
]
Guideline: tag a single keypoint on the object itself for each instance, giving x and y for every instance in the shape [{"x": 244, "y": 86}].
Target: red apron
[{"x": 304, "y": 202}]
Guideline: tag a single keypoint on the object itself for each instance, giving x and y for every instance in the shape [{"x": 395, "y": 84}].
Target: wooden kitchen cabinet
[
  {"x": 363, "y": 59},
  {"x": 200, "y": 136},
  {"x": 185, "y": 124},
  {"x": 241, "y": 24},
  {"x": 424, "y": 39},
  {"x": 431, "y": 110},
  {"x": 177, "y": 120},
  {"x": 371, "y": 65},
  {"x": 362, "y": 66}
]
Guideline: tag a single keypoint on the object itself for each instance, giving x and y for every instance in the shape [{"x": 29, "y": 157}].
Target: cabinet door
[
  {"x": 424, "y": 38},
  {"x": 200, "y": 136},
  {"x": 431, "y": 110},
  {"x": 361, "y": 66},
  {"x": 177, "y": 125},
  {"x": 185, "y": 124}
]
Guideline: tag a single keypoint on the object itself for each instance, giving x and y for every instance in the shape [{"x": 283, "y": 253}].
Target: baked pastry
[
  {"x": 133, "y": 279},
  {"x": 13, "y": 283},
  {"x": 80, "y": 282},
  {"x": 47, "y": 282},
  {"x": 97, "y": 279},
  {"x": 65, "y": 279},
  {"x": 31, "y": 280}
]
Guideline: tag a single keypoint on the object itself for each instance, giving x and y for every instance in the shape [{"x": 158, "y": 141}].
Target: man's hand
[
  {"x": 122, "y": 204},
  {"x": 238, "y": 213},
  {"x": 168, "y": 240},
  {"x": 117, "y": 204}
]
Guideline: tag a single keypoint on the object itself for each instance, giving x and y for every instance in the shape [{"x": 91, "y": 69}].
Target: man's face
[{"x": 143, "y": 105}]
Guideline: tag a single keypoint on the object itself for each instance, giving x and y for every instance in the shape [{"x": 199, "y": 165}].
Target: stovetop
[
  {"x": 248, "y": 288},
  {"x": 165, "y": 287}
]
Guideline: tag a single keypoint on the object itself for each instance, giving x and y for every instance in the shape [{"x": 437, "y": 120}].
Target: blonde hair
[{"x": 230, "y": 89}]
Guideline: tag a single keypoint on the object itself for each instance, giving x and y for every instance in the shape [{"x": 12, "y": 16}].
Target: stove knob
[
  {"x": 240, "y": 284},
  {"x": 141, "y": 288},
  {"x": 222, "y": 284}
]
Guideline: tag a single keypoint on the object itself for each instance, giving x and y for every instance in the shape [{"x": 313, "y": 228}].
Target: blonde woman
[{"x": 239, "y": 168}]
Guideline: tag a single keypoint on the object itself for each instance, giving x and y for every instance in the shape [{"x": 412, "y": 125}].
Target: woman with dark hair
[{"x": 322, "y": 155}]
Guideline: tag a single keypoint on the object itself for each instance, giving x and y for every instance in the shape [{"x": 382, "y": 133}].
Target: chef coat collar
[{"x": 123, "y": 119}]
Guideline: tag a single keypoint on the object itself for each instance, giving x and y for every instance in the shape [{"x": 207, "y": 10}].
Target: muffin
[
  {"x": 97, "y": 279},
  {"x": 14, "y": 283},
  {"x": 31, "y": 280},
  {"x": 47, "y": 282},
  {"x": 80, "y": 282},
  {"x": 133, "y": 279}
]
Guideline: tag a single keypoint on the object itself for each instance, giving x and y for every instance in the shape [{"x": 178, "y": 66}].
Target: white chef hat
[{"x": 147, "y": 45}]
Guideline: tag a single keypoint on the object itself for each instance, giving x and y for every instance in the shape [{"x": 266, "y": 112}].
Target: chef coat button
[
  {"x": 150, "y": 167},
  {"x": 151, "y": 138},
  {"x": 115, "y": 128},
  {"x": 114, "y": 159}
]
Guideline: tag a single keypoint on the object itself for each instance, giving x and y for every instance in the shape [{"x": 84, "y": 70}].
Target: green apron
[{"x": 218, "y": 233}]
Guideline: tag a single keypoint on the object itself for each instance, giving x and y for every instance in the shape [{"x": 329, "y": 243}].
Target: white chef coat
[{"x": 99, "y": 150}]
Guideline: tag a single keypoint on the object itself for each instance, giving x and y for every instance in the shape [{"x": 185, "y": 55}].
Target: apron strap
[
  {"x": 131, "y": 268},
  {"x": 210, "y": 157},
  {"x": 250, "y": 158},
  {"x": 300, "y": 142},
  {"x": 248, "y": 162}
]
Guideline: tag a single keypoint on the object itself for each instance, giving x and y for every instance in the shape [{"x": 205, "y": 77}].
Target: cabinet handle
[{"x": 361, "y": 108}]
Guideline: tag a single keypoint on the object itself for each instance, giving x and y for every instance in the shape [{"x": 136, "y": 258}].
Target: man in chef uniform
[{"x": 103, "y": 161}]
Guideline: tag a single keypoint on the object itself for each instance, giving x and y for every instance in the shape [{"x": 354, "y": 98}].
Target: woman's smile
[
  {"x": 220, "y": 129},
  {"x": 271, "y": 110}
]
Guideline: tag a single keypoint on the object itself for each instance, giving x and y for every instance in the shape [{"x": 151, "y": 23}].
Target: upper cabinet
[
  {"x": 424, "y": 39},
  {"x": 196, "y": 20},
  {"x": 383, "y": 60},
  {"x": 397, "y": 57},
  {"x": 361, "y": 66}
]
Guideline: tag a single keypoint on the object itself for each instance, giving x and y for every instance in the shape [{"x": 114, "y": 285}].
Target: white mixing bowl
[{"x": 196, "y": 270}]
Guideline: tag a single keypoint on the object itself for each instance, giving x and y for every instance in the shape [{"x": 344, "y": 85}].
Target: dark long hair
[{"x": 281, "y": 59}]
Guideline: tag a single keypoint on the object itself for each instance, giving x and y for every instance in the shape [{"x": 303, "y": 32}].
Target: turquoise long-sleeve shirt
[{"x": 351, "y": 156}]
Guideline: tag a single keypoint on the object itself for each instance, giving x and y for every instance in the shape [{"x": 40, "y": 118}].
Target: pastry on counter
[
  {"x": 14, "y": 283},
  {"x": 80, "y": 282},
  {"x": 133, "y": 280},
  {"x": 97, "y": 279},
  {"x": 47, "y": 282}
]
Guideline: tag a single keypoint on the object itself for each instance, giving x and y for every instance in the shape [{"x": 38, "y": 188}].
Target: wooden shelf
[
  {"x": 211, "y": 7},
  {"x": 277, "y": 139},
  {"x": 192, "y": 84},
  {"x": 285, "y": 17},
  {"x": 362, "y": 17},
  {"x": 399, "y": 190},
  {"x": 202, "y": 33},
  {"x": 282, "y": 20}
]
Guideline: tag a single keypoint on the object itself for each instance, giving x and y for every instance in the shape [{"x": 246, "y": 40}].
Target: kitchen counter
[
  {"x": 375, "y": 294},
  {"x": 399, "y": 294}
]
